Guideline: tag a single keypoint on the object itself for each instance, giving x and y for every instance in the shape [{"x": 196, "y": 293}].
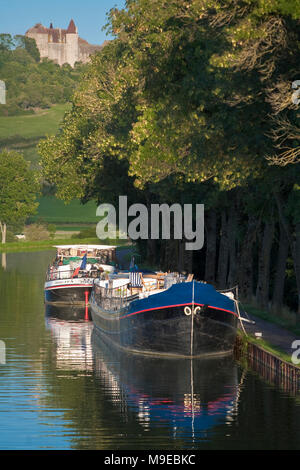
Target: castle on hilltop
[{"x": 61, "y": 45}]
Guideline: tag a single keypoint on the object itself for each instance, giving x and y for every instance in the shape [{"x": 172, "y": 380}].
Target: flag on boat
[
  {"x": 83, "y": 262},
  {"x": 82, "y": 265}
]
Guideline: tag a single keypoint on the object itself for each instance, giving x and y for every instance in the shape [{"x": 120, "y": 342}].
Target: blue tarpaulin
[{"x": 183, "y": 294}]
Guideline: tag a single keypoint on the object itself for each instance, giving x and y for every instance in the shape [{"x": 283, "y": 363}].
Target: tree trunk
[
  {"x": 180, "y": 261},
  {"x": 263, "y": 282},
  {"x": 211, "y": 246},
  {"x": 245, "y": 277},
  {"x": 223, "y": 253},
  {"x": 294, "y": 243},
  {"x": 187, "y": 259},
  {"x": 151, "y": 251},
  {"x": 297, "y": 261},
  {"x": 278, "y": 290},
  {"x": 170, "y": 248},
  {"x": 3, "y": 231},
  {"x": 232, "y": 232}
]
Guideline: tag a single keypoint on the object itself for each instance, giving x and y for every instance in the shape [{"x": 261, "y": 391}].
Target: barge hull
[
  {"x": 68, "y": 294},
  {"x": 169, "y": 331}
]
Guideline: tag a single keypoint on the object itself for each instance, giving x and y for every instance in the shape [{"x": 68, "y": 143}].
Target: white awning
[{"x": 86, "y": 247}]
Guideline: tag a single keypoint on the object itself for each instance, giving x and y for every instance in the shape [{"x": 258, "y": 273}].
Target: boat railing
[
  {"x": 54, "y": 274},
  {"x": 112, "y": 298}
]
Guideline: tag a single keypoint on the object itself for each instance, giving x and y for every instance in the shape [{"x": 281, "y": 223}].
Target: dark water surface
[{"x": 63, "y": 387}]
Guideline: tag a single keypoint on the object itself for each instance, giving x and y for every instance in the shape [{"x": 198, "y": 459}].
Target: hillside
[
  {"x": 32, "y": 83},
  {"x": 55, "y": 211},
  {"x": 22, "y": 133},
  {"x": 38, "y": 94}
]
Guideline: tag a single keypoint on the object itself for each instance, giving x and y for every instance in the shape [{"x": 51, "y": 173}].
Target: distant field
[
  {"x": 74, "y": 227},
  {"x": 33, "y": 125},
  {"x": 55, "y": 211},
  {"x": 22, "y": 133}
]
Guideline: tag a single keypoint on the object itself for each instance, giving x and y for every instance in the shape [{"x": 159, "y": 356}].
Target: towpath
[{"x": 273, "y": 334}]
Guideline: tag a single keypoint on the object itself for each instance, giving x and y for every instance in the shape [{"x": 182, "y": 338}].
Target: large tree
[
  {"x": 182, "y": 104},
  {"x": 18, "y": 190}
]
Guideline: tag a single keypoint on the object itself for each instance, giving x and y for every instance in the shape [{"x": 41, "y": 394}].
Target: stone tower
[
  {"x": 63, "y": 46},
  {"x": 72, "y": 44}
]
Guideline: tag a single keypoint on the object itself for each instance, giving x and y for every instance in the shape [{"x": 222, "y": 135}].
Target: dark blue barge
[{"x": 187, "y": 319}]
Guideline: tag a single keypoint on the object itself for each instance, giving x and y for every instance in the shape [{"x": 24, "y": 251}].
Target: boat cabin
[
  {"x": 117, "y": 290},
  {"x": 104, "y": 254},
  {"x": 75, "y": 261}
]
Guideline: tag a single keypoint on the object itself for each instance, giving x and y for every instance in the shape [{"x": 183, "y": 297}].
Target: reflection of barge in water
[
  {"x": 70, "y": 277},
  {"x": 67, "y": 312},
  {"x": 190, "y": 396},
  {"x": 164, "y": 315},
  {"x": 72, "y": 338}
]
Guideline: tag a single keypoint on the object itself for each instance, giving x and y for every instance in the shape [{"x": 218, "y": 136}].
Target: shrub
[
  {"x": 87, "y": 233},
  {"x": 35, "y": 232}
]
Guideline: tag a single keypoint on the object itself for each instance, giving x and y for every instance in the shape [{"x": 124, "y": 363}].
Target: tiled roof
[
  {"x": 57, "y": 34},
  {"x": 72, "y": 27}
]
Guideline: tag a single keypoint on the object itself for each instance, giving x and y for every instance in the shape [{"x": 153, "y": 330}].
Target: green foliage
[
  {"x": 30, "y": 82},
  {"x": 51, "y": 229},
  {"x": 190, "y": 102},
  {"x": 18, "y": 189},
  {"x": 87, "y": 233},
  {"x": 29, "y": 44},
  {"x": 164, "y": 97}
]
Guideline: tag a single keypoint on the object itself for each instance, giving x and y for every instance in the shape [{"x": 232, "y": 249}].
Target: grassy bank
[
  {"x": 22, "y": 246},
  {"x": 286, "y": 319},
  {"x": 267, "y": 346}
]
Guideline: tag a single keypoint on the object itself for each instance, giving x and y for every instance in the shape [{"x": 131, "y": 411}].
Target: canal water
[{"x": 63, "y": 387}]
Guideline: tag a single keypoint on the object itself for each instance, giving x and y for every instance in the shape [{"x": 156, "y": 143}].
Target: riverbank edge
[
  {"x": 41, "y": 245},
  {"x": 272, "y": 364}
]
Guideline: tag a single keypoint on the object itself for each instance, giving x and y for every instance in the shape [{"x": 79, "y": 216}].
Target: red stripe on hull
[
  {"x": 68, "y": 286},
  {"x": 178, "y": 305}
]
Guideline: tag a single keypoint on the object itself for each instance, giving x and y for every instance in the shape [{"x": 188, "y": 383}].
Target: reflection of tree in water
[
  {"x": 3, "y": 261},
  {"x": 22, "y": 301}
]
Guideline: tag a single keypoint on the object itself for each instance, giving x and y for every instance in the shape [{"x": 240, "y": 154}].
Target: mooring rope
[{"x": 192, "y": 320}]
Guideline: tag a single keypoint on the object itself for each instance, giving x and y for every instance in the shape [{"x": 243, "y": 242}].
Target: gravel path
[{"x": 274, "y": 334}]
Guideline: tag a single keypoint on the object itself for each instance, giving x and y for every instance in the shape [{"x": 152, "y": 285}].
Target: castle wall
[
  {"x": 72, "y": 48},
  {"x": 57, "y": 52},
  {"x": 83, "y": 56},
  {"x": 61, "y": 45},
  {"x": 41, "y": 42}
]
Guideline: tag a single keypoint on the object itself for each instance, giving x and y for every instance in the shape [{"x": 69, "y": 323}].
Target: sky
[{"x": 17, "y": 16}]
